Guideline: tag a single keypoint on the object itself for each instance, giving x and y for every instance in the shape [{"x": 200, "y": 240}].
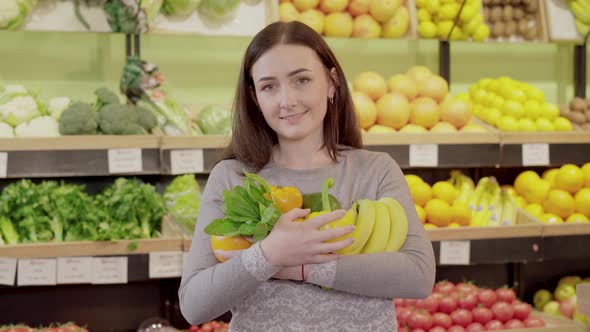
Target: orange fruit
[
  {"x": 365, "y": 109},
  {"x": 434, "y": 87},
  {"x": 412, "y": 179},
  {"x": 537, "y": 192},
  {"x": 338, "y": 25},
  {"x": 582, "y": 199},
  {"x": 569, "y": 178},
  {"x": 403, "y": 84},
  {"x": 393, "y": 110},
  {"x": 438, "y": 212},
  {"x": 421, "y": 213},
  {"x": 535, "y": 209},
  {"x": 549, "y": 175},
  {"x": 370, "y": 83},
  {"x": 525, "y": 181},
  {"x": 560, "y": 203},
  {"x": 586, "y": 171},
  {"x": 424, "y": 112},
  {"x": 421, "y": 193},
  {"x": 461, "y": 214},
  {"x": 445, "y": 191},
  {"x": 419, "y": 73},
  {"x": 228, "y": 243}
]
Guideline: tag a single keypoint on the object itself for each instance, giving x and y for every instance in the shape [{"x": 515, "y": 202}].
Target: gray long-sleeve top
[{"x": 362, "y": 285}]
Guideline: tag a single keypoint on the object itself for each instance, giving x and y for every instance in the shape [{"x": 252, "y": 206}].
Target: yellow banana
[
  {"x": 580, "y": 12},
  {"x": 508, "y": 210},
  {"x": 585, "y": 5},
  {"x": 380, "y": 234},
  {"x": 353, "y": 211},
  {"x": 399, "y": 224},
  {"x": 365, "y": 221},
  {"x": 495, "y": 206},
  {"x": 582, "y": 28}
]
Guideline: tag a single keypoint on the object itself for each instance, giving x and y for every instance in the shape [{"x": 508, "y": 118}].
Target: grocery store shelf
[
  {"x": 171, "y": 240},
  {"x": 563, "y": 147},
  {"x": 76, "y": 155}
]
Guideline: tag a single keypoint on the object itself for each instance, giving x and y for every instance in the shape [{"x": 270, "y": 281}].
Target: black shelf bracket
[
  {"x": 580, "y": 68},
  {"x": 444, "y": 60},
  {"x": 132, "y": 44}
]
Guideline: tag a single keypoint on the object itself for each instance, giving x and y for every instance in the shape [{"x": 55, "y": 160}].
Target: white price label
[
  {"x": 535, "y": 154},
  {"x": 186, "y": 161},
  {"x": 424, "y": 155},
  {"x": 125, "y": 161},
  {"x": 3, "y": 164},
  {"x": 455, "y": 252},
  {"x": 165, "y": 264},
  {"x": 37, "y": 272},
  {"x": 109, "y": 270},
  {"x": 7, "y": 271},
  {"x": 74, "y": 270}
]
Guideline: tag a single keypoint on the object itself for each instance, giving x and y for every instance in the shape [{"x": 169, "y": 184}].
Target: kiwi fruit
[
  {"x": 523, "y": 26},
  {"x": 510, "y": 28},
  {"x": 498, "y": 29},
  {"x": 486, "y": 14},
  {"x": 586, "y": 126},
  {"x": 531, "y": 33},
  {"x": 564, "y": 111},
  {"x": 508, "y": 13},
  {"x": 578, "y": 105},
  {"x": 587, "y": 113},
  {"x": 576, "y": 117},
  {"x": 496, "y": 14},
  {"x": 518, "y": 13},
  {"x": 533, "y": 6},
  {"x": 487, "y": 2},
  {"x": 496, "y": 2}
]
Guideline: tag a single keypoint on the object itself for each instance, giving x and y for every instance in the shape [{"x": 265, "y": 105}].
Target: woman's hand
[{"x": 296, "y": 243}]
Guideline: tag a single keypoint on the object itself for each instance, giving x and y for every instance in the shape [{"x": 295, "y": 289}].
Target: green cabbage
[
  {"x": 219, "y": 8},
  {"x": 183, "y": 199},
  {"x": 151, "y": 8},
  {"x": 215, "y": 120},
  {"x": 180, "y": 7}
]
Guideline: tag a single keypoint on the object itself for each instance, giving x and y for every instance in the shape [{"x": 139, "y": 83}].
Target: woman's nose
[{"x": 288, "y": 97}]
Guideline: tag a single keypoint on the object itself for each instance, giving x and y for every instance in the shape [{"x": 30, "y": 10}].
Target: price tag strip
[
  {"x": 3, "y": 164},
  {"x": 37, "y": 272},
  {"x": 166, "y": 264},
  {"x": 74, "y": 270},
  {"x": 535, "y": 154},
  {"x": 7, "y": 271},
  {"x": 125, "y": 161},
  {"x": 423, "y": 155},
  {"x": 186, "y": 161},
  {"x": 109, "y": 270},
  {"x": 455, "y": 252}
]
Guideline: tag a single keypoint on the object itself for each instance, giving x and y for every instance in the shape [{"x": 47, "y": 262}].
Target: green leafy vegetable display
[
  {"x": 249, "y": 210},
  {"x": 183, "y": 199}
]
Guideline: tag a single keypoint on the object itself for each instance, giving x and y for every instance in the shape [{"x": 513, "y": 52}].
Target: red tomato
[
  {"x": 522, "y": 310},
  {"x": 402, "y": 329},
  {"x": 447, "y": 305},
  {"x": 206, "y": 327},
  {"x": 462, "y": 317},
  {"x": 399, "y": 303},
  {"x": 445, "y": 287},
  {"x": 475, "y": 327},
  {"x": 194, "y": 328},
  {"x": 494, "y": 325},
  {"x": 437, "y": 296},
  {"x": 468, "y": 301},
  {"x": 487, "y": 297},
  {"x": 417, "y": 330},
  {"x": 437, "y": 329},
  {"x": 503, "y": 311},
  {"x": 420, "y": 320},
  {"x": 466, "y": 288},
  {"x": 429, "y": 304},
  {"x": 456, "y": 328},
  {"x": 482, "y": 315},
  {"x": 402, "y": 315},
  {"x": 215, "y": 325},
  {"x": 513, "y": 324},
  {"x": 410, "y": 302},
  {"x": 534, "y": 322},
  {"x": 506, "y": 294},
  {"x": 455, "y": 296},
  {"x": 442, "y": 320}
]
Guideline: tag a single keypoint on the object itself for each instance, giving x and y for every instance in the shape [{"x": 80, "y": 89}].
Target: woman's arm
[
  {"x": 408, "y": 273},
  {"x": 208, "y": 288}
]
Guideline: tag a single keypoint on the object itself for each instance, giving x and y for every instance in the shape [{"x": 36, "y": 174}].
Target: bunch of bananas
[
  {"x": 581, "y": 10},
  {"x": 491, "y": 205},
  {"x": 381, "y": 226}
]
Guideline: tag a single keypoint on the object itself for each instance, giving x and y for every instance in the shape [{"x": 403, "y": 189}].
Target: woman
[{"x": 294, "y": 124}]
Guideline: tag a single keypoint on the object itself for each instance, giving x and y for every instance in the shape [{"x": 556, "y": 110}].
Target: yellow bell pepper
[{"x": 287, "y": 198}]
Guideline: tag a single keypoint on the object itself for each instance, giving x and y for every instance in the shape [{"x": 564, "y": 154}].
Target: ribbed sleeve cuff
[
  {"x": 255, "y": 263},
  {"x": 323, "y": 274}
]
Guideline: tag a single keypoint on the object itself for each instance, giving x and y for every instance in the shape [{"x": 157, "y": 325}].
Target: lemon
[
  {"x": 383, "y": 10},
  {"x": 469, "y": 12},
  {"x": 430, "y": 226},
  {"x": 443, "y": 29},
  {"x": 314, "y": 19},
  {"x": 421, "y": 193},
  {"x": 427, "y": 29},
  {"x": 535, "y": 209},
  {"x": 582, "y": 199},
  {"x": 537, "y": 192},
  {"x": 562, "y": 124},
  {"x": 438, "y": 212},
  {"x": 412, "y": 179},
  {"x": 525, "y": 181},
  {"x": 550, "y": 218},
  {"x": 550, "y": 174},
  {"x": 432, "y": 6},
  {"x": 288, "y": 12},
  {"x": 569, "y": 178},
  {"x": 577, "y": 217},
  {"x": 424, "y": 15},
  {"x": 445, "y": 191},
  {"x": 471, "y": 26},
  {"x": 586, "y": 171},
  {"x": 461, "y": 214},
  {"x": 448, "y": 11},
  {"x": 560, "y": 203}
]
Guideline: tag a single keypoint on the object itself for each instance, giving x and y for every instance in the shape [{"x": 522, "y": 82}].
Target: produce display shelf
[
  {"x": 80, "y": 156},
  {"x": 210, "y": 145},
  {"x": 171, "y": 240},
  {"x": 554, "y": 324},
  {"x": 562, "y": 147}
]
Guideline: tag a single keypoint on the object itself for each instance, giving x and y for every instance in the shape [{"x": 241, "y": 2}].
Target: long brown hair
[{"x": 252, "y": 138}]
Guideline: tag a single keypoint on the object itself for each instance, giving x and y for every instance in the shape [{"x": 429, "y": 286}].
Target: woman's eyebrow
[{"x": 294, "y": 72}]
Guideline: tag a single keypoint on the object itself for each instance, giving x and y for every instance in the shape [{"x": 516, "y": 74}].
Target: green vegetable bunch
[{"x": 183, "y": 199}]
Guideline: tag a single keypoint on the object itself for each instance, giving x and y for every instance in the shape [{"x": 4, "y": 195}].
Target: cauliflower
[
  {"x": 15, "y": 90},
  {"x": 6, "y": 130},
  {"x": 44, "y": 126},
  {"x": 19, "y": 110},
  {"x": 14, "y": 12},
  {"x": 57, "y": 105}
]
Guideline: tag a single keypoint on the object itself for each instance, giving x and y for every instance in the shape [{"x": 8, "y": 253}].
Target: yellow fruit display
[
  {"x": 438, "y": 212},
  {"x": 371, "y": 83},
  {"x": 436, "y": 19},
  {"x": 582, "y": 199},
  {"x": 461, "y": 214},
  {"x": 569, "y": 178},
  {"x": 586, "y": 171},
  {"x": 577, "y": 218},
  {"x": 525, "y": 181},
  {"x": 421, "y": 213},
  {"x": 535, "y": 209},
  {"x": 560, "y": 203},
  {"x": 421, "y": 193},
  {"x": 445, "y": 191},
  {"x": 338, "y": 25},
  {"x": 365, "y": 109}
]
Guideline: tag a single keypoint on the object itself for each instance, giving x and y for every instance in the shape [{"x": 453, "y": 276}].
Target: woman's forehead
[{"x": 283, "y": 59}]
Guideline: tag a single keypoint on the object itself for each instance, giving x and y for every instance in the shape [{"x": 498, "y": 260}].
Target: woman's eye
[
  {"x": 267, "y": 87},
  {"x": 302, "y": 80}
]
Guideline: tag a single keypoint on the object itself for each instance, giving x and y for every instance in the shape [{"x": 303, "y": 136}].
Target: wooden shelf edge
[
  {"x": 485, "y": 233},
  {"x": 566, "y": 230},
  {"x": 431, "y": 138},
  {"x": 195, "y": 142},
  {"x": 546, "y": 137},
  {"x": 94, "y": 142}
]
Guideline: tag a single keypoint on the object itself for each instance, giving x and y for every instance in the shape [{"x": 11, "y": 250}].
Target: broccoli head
[
  {"x": 105, "y": 97},
  {"x": 146, "y": 118},
  {"x": 118, "y": 119},
  {"x": 78, "y": 119}
]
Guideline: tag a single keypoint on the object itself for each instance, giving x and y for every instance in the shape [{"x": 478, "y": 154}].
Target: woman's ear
[{"x": 333, "y": 83}]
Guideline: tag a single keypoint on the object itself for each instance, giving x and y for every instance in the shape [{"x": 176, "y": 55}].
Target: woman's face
[{"x": 292, "y": 87}]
